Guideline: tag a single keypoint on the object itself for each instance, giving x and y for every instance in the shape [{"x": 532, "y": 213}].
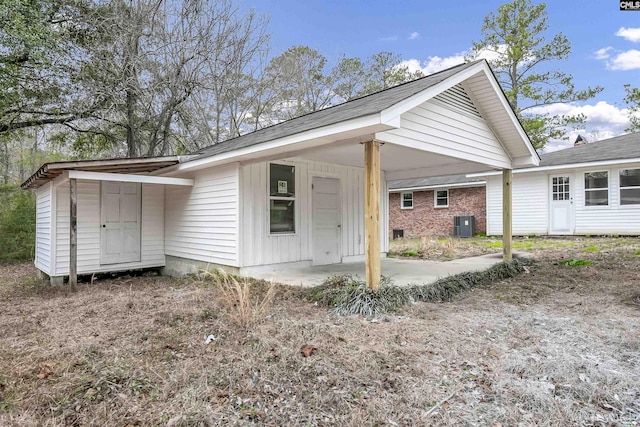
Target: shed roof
[
  {"x": 617, "y": 148},
  {"x": 49, "y": 171},
  {"x": 359, "y": 107}
]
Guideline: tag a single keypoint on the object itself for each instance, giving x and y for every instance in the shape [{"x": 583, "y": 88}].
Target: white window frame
[
  {"x": 620, "y": 188},
  {"x": 293, "y": 199},
  {"x": 402, "y": 206},
  {"x": 435, "y": 199},
  {"x": 586, "y": 190}
]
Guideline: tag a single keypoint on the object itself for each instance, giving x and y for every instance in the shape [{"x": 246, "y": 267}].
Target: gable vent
[{"x": 456, "y": 99}]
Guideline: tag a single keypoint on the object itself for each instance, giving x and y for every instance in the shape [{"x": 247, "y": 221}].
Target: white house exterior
[
  {"x": 311, "y": 190},
  {"x": 587, "y": 189}
]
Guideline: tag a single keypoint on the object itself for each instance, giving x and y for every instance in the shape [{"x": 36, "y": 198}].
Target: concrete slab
[{"x": 402, "y": 271}]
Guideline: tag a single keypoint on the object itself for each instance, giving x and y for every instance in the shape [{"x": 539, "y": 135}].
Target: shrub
[
  {"x": 348, "y": 295},
  {"x": 17, "y": 224}
]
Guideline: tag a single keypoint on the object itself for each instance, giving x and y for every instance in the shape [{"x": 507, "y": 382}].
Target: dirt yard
[{"x": 556, "y": 346}]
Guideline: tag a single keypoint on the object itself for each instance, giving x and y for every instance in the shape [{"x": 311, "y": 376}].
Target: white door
[
  {"x": 326, "y": 220},
  {"x": 120, "y": 227},
  {"x": 560, "y": 205}
]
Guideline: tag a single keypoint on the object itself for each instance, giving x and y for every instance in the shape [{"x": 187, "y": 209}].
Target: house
[
  {"x": 311, "y": 190},
  {"x": 429, "y": 206},
  {"x": 590, "y": 188}
]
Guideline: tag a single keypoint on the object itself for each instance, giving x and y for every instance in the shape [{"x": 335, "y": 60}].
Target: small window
[
  {"x": 406, "y": 200},
  {"x": 596, "y": 188},
  {"x": 282, "y": 199},
  {"x": 441, "y": 199},
  {"x": 561, "y": 190},
  {"x": 630, "y": 187}
]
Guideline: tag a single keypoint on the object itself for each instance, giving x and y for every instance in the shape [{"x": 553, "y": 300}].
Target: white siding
[
  {"x": 260, "y": 248},
  {"x": 449, "y": 124},
  {"x": 152, "y": 228},
  {"x": 43, "y": 228},
  {"x": 530, "y": 204},
  {"x": 612, "y": 219},
  {"x": 202, "y": 221}
]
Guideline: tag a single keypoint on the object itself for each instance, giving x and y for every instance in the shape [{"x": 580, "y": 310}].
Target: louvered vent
[{"x": 457, "y": 99}]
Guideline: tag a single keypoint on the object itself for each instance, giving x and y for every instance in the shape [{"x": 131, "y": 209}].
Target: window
[
  {"x": 406, "y": 200},
  {"x": 561, "y": 190},
  {"x": 596, "y": 188},
  {"x": 441, "y": 199},
  {"x": 630, "y": 187},
  {"x": 282, "y": 199}
]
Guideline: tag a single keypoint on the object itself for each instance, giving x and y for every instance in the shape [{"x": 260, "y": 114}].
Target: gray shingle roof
[
  {"x": 617, "y": 148},
  {"x": 433, "y": 181},
  {"x": 353, "y": 109}
]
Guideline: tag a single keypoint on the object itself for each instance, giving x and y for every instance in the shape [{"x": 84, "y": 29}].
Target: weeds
[
  {"x": 576, "y": 262},
  {"x": 240, "y": 297}
]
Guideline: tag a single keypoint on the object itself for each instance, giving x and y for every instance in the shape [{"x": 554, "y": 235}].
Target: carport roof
[{"x": 356, "y": 108}]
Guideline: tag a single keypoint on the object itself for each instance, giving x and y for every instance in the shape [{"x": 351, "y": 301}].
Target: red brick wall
[{"x": 426, "y": 220}]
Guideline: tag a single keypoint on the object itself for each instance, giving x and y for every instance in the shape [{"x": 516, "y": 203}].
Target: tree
[
  {"x": 384, "y": 70},
  {"x": 514, "y": 39},
  {"x": 632, "y": 99},
  {"x": 41, "y": 49}
]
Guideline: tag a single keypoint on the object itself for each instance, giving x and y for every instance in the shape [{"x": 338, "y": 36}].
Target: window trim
[
  {"x": 435, "y": 199},
  {"x": 286, "y": 198},
  {"x": 585, "y": 189},
  {"x": 402, "y": 206},
  {"x": 620, "y": 188}
]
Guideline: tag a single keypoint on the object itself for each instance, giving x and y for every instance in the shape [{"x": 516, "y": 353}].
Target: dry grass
[{"x": 557, "y": 346}]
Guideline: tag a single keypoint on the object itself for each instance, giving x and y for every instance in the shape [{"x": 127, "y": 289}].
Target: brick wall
[{"x": 426, "y": 220}]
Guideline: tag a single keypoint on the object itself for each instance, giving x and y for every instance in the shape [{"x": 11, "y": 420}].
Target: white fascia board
[
  {"x": 123, "y": 177},
  {"x": 509, "y": 111},
  {"x": 602, "y": 163},
  {"x": 434, "y": 187},
  {"x": 392, "y": 113},
  {"x": 323, "y": 132}
]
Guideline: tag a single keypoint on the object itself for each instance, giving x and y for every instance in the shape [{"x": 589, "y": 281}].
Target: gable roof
[
  {"x": 617, "y": 148},
  {"x": 356, "y": 108},
  {"x": 436, "y": 181}
]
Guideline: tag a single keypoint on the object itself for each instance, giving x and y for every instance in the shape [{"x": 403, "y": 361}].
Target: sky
[{"x": 433, "y": 35}]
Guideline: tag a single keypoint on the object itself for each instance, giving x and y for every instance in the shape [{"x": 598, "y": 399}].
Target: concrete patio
[{"x": 402, "y": 271}]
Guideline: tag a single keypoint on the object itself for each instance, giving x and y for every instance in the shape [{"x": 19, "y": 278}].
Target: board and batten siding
[
  {"x": 89, "y": 223},
  {"x": 261, "y": 248},
  {"x": 202, "y": 221},
  {"x": 530, "y": 204},
  {"x": 449, "y": 124},
  {"x": 43, "y": 227}
]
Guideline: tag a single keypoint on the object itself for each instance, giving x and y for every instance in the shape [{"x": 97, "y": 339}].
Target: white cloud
[
  {"x": 623, "y": 61},
  {"x": 631, "y": 34},
  {"x": 388, "y": 39},
  {"x": 603, "y": 53},
  {"x": 603, "y": 121},
  {"x": 414, "y": 35},
  {"x": 434, "y": 64}
]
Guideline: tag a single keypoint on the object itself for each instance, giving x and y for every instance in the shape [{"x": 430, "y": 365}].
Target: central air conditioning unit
[{"x": 463, "y": 226}]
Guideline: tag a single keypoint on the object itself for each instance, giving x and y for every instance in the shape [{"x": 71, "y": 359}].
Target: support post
[
  {"x": 73, "y": 237},
  {"x": 372, "y": 213},
  {"x": 507, "y": 179}
]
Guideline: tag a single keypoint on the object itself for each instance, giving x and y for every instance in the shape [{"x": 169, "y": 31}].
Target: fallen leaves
[{"x": 307, "y": 350}]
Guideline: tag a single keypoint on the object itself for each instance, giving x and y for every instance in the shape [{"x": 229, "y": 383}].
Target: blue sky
[{"x": 433, "y": 35}]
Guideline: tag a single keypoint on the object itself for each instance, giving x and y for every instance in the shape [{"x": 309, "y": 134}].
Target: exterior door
[
  {"x": 120, "y": 227},
  {"x": 327, "y": 233},
  {"x": 560, "y": 205}
]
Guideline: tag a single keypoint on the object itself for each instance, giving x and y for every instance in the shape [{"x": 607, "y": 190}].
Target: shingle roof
[
  {"x": 353, "y": 109},
  {"x": 432, "y": 181},
  {"x": 617, "y": 148}
]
